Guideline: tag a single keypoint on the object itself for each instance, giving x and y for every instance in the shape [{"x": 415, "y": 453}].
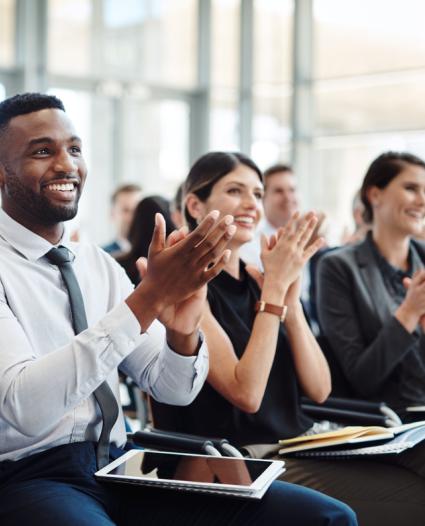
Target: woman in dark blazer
[{"x": 371, "y": 296}]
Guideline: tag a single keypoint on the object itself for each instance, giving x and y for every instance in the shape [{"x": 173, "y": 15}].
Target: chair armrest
[
  {"x": 171, "y": 442},
  {"x": 361, "y": 409},
  {"x": 344, "y": 416},
  {"x": 183, "y": 442}
]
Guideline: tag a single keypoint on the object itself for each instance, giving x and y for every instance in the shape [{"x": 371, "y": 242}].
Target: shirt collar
[
  {"x": 26, "y": 242},
  {"x": 414, "y": 261}
]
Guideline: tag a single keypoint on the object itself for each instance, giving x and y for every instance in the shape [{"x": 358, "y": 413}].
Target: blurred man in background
[
  {"x": 280, "y": 203},
  {"x": 123, "y": 203}
]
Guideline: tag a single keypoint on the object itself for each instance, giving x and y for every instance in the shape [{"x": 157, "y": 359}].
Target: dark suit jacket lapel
[{"x": 372, "y": 277}]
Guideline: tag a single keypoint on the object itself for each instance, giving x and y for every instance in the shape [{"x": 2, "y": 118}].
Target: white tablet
[{"x": 240, "y": 477}]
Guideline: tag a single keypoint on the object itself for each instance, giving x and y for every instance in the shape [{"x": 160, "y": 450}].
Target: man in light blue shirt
[{"x": 49, "y": 420}]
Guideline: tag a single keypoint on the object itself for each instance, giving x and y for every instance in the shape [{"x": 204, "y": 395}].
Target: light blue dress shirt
[{"x": 47, "y": 374}]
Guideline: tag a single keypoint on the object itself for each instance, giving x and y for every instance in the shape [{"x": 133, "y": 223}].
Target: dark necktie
[{"x": 103, "y": 394}]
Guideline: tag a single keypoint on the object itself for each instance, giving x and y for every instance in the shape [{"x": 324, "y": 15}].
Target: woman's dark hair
[
  {"x": 209, "y": 169},
  {"x": 141, "y": 230},
  {"x": 381, "y": 172}
]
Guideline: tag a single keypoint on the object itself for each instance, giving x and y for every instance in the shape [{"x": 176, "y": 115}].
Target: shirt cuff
[
  {"x": 122, "y": 327},
  {"x": 188, "y": 365}
]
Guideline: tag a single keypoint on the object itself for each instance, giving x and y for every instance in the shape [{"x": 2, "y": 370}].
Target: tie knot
[{"x": 59, "y": 256}]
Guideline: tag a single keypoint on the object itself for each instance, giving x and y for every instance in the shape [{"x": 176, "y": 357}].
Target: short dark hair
[
  {"x": 24, "y": 103},
  {"x": 275, "y": 169},
  {"x": 381, "y": 172},
  {"x": 127, "y": 188},
  {"x": 209, "y": 169}
]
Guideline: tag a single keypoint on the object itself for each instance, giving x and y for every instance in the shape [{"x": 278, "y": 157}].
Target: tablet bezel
[{"x": 274, "y": 468}]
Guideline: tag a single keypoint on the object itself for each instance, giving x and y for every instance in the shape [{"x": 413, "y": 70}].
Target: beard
[{"x": 37, "y": 205}]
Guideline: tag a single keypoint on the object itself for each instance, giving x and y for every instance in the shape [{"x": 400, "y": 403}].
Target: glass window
[
  {"x": 7, "y": 32},
  {"x": 272, "y": 90},
  {"x": 155, "y": 144},
  {"x": 225, "y": 43},
  {"x": 69, "y": 37},
  {"x": 365, "y": 104},
  {"x": 340, "y": 164},
  {"x": 153, "y": 40},
  {"x": 369, "y": 66},
  {"x": 273, "y": 41},
  {"x": 224, "y": 120},
  {"x": 361, "y": 37},
  {"x": 271, "y": 126}
]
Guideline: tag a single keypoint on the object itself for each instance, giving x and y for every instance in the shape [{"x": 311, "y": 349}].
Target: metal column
[{"x": 302, "y": 104}]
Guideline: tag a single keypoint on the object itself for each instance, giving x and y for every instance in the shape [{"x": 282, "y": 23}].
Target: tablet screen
[{"x": 191, "y": 468}]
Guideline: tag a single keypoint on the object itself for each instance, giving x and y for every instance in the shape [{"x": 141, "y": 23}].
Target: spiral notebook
[{"x": 401, "y": 442}]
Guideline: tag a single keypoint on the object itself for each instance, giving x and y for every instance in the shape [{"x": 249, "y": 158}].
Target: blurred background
[{"x": 325, "y": 85}]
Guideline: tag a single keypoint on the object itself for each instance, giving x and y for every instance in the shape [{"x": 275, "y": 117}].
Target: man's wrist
[
  {"x": 144, "y": 305},
  {"x": 185, "y": 344}
]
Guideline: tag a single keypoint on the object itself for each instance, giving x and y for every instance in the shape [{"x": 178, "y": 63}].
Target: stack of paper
[{"x": 355, "y": 436}]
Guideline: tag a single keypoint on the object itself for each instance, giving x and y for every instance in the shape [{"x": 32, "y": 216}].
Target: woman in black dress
[{"x": 259, "y": 365}]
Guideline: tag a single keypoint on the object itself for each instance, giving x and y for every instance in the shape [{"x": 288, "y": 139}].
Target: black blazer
[{"x": 368, "y": 342}]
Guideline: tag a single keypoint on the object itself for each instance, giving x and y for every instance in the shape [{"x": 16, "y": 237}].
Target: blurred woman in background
[{"x": 141, "y": 231}]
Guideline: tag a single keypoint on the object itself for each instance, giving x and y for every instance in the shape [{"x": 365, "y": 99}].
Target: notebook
[
  {"x": 345, "y": 435},
  {"x": 228, "y": 476},
  {"x": 403, "y": 437}
]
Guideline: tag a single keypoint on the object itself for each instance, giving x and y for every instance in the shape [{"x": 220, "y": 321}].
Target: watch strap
[{"x": 277, "y": 310}]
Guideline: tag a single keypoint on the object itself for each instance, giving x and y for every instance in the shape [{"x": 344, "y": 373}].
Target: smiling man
[
  {"x": 39, "y": 190},
  {"x": 69, "y": 318}
]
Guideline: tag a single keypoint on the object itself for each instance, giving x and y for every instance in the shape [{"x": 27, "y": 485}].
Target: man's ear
[{"x": 195, "y": 207}]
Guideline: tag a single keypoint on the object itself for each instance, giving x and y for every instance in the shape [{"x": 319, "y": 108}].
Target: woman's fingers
[
  {"x": 299, "y": 232},
  {"x": 313, "y": 248},
  {"x": 290, "y": 228},
  {"x": 418, "y": 277},
  {"x": 306, "y": 230}
]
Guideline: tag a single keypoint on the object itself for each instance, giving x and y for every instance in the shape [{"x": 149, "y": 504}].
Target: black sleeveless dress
[{"x": 232, "y": 303}]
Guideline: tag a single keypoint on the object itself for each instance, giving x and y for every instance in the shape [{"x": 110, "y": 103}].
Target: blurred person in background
[
  {"x": 141, "y": 230},
  {"x": 123, "y": 203},
  {"x": 361, "y": 226},
  {"x": 280, "y": 202},
  {"x": 176, "y": 207}
]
